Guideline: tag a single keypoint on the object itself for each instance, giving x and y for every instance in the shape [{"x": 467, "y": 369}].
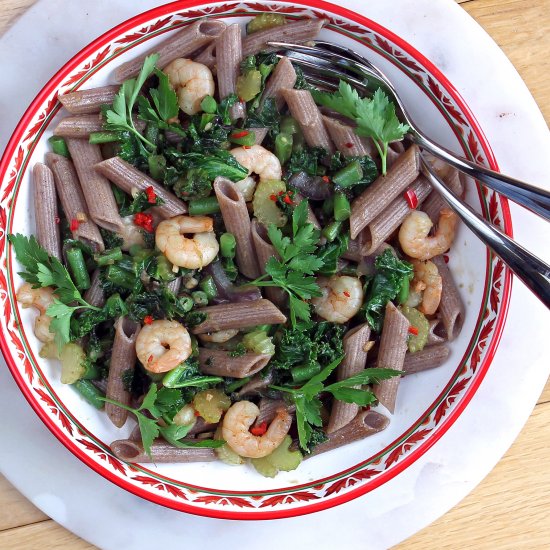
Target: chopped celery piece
[
  {"x": 226, "y": 453},
  {"x": 418, "y": 321},
  {"x": 265, "y": 21},
  {"x": 281, "y": 459},
  {"x": 258, "y": 341}
]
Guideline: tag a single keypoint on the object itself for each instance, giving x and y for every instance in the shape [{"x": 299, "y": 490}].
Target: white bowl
[{"x": 427, "y": 404}]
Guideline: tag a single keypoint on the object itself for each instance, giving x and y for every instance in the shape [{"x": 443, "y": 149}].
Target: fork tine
[{"x": 324, "y": 70}]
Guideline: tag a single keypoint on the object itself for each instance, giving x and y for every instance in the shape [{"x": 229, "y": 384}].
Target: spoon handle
[
  {"x": 533, "y": 198},
  {"x": 526, "y": 266}
]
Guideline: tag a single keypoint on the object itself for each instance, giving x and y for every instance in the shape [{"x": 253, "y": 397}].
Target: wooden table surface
[{"x": 510, "y": 509}]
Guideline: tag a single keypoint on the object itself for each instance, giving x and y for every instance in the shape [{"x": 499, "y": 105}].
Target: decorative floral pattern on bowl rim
[{"x": 321, "y": 493}]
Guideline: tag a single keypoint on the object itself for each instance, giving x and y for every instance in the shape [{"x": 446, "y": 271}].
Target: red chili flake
[
  {"x": 247, "y": 146},
  {"x": 346, "y": 294},
  {"x": 446, "y": 258},
  {"x": 281, "y": 193},
  {"x": 197, "y": 413},
  {"x": 411, "y": 198},
  {"x": 273, "y": 198},
  {"x": 326, "y": 179},
  {"x": 150, "y": 358},
  {"x": 349, "y": 144},
  {"x": 151, "y": 195},
  {"x": 148, "y": 319},
  {"x": 57, "y": 219},
  {"x": 238, "y": 135},
  {"x": 260, "y": 429},
  {"x": 287, "y": 199},
  {"x": 74, "y": 224},
  {"x": 413, "y": 330},
  {"x": 144, "y": 220}
]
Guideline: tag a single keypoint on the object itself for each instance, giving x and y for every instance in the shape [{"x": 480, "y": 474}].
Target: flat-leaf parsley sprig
[
  {"x": 43, "y": 270},
  {"x": 155, "y": 403},
  {"x": 294, "y": 271},
  {"x": 375, "y": 117},
  {"x": 308, "y": 404}
]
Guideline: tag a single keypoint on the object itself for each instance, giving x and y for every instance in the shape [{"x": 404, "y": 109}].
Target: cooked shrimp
[
  {"x": 428, "y": 281},
  {"x": 131, "y": 234},
  {"x": 41, "y": 299},
  {"x": 163, "y": 345},
  {"x": 220, "y": 336},
  {"x": 192, "y": 82},
  {"x": 258, "y": 160},
  {"x": 235, "y": 430},
  {"x": 341, "y": 300},
  {"x": 414, "y": 239},
  {"x": 191, "y": 253}
]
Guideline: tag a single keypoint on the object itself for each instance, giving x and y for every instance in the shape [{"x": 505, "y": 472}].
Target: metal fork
[{"x": 327, "y": 63}]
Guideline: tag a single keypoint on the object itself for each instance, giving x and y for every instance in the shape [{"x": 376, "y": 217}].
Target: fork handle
[
  {"x": 533, "y": 198},
  {"x": 526, "y": 266}
]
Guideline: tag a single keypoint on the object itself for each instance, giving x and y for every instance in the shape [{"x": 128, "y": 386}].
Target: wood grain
[{"x": 510, "y": 508}]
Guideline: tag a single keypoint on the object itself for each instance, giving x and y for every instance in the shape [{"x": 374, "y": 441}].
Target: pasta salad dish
[{"x": 241, "y": 264}]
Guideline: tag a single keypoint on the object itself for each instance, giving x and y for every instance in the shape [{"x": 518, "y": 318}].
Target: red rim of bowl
[{"x": 438, "y": 432}]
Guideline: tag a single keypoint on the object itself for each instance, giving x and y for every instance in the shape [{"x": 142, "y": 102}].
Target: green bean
[
  {"x": 59, "y": 146},
  {"x": 120, "y": 277},
  {"x": 157, "y": 166},
  {"x": 186, "y": 303},
  {"x": 283, "y": 147},
  {"x": 208, "y": 286},
  {"x": 76, "y": 262},
  {"x": 289, "y": 126},
  {"x": 332, "y": 230},
  {"x": 342, "y": 207},
  {"x": 90, "y": 393},
  {"x": 349, "y": 175},
  {"x": 228, "y": 244},
  {"x": 243, "y": 137},
  {"x": 200, "y": 298},
  {"x": 305, "y": 372},
  {"x": 91, "y": 372},
  {"x": 328, "y": 206},
  {"x": 103, "y": 137},
  {"x": 108, "y": 257},
  {"x": 403, "y": 295},
  {"x": 236, "y": 384},
  {"x": 152, "y": 133},
  {"x": 135, "y": 249},
  {"x": 204, "y": 206},
  {"x": 209, "y": 105}
]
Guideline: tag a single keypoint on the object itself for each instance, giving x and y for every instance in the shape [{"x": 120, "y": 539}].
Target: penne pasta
[
  {"x": 237, "y": 221},
  {"x": 391, "y": 354},
  {"x": 282, "y": 78},
  {"x": 95, "y": 295},
  {"x": 430, "y": 357},
  {"x": 123, "y": 359},
  {"x": 384, "y": 190},
  {"x": 297, "y": 32},
  {"x": 128, "y": 178},
  {"x": 366, "y": 423},
  {"x": 229, "y": 57},
  {"x": 45, "y": 206},
  {"x": 303, "y": 108},
  {"x": 80, "y": 126},
  {"x": 84, "y": 102},
  {"x": 354, "y": 362},
  {"x": 347, "y": 141},
  {"x": 217, "y": 362},
  {"x": 239, "y": 315},
  {"x": 451, "y": 307},
  {"x": 382, "y": 227},
  {"x": 161, "y": 452},
  {"x": 189, "y": 39},
  {"x": 96, "y": 188},
  {"x": 73, "y": 202}
]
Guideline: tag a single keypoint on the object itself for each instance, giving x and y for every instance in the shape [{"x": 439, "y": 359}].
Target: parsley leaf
[
  {"x": 298, "y": 263},
  {"x": 156, "y": 403},
  {"x": 375, "y": 118},
  {"x": 308, "y": 404},
  {"x": 43, "y": 270}
]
